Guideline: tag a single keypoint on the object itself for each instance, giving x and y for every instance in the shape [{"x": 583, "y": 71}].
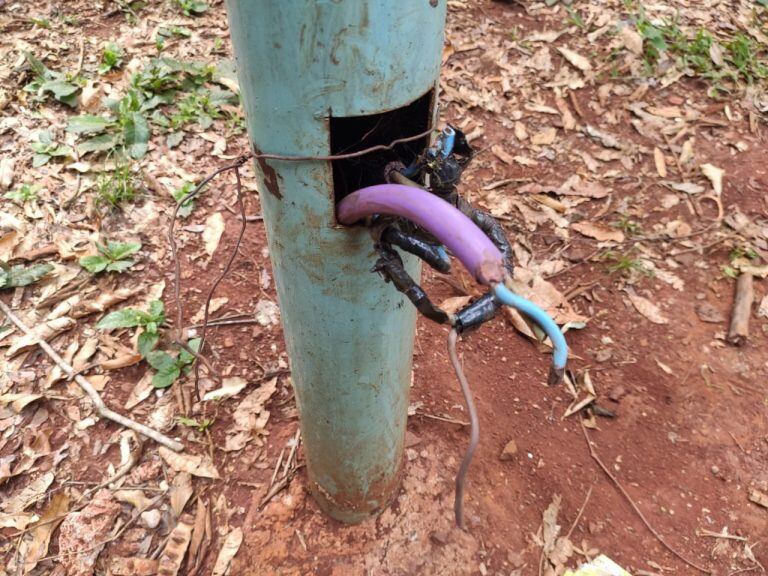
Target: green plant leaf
[
  {"x": 94, "y": 264},
  {"x": 185, "y": 357},
  {"x": 161, "y": 361},
  {"x": 59, "y": 88},
  {"x": 121, "y": 250},
  {"x": 146, "y": 342},
  {"x": 99, "y": 143},
  {"x": 17, "y": 276},
  {"x": 165, "y": 379},
  {"x": 120, "y": 265},
  {"x": 40, "y": 160},
  {"x": 125, "y": 318},
  {"x": 88, "y": 124},
  {"x": 157, "y": 311},
  {"x": 136, "y": 134}
]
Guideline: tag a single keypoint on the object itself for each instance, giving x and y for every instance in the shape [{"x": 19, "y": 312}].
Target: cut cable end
[{"x": 556, "y": 376}]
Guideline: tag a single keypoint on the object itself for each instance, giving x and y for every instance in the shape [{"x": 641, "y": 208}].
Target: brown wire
[{"x": 474, "y": 434}]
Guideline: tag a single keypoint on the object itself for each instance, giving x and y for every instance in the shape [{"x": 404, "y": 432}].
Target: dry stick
[
  {"x": 101, "y": 408},
  {"x": 474, "y": 434},
  {"x": 581, "y": 511},
  {"x": 635, "y": 507},
  {"x": 738, "y": 332}
]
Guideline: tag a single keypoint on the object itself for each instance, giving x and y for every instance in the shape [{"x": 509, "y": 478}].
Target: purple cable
[{"x": 452, "y": 228}]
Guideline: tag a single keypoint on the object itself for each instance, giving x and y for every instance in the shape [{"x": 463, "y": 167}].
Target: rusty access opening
[{"x": 359, "y": 132}]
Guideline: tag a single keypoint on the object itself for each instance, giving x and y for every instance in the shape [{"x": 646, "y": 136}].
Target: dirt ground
[{"x": 640, "y": 267}]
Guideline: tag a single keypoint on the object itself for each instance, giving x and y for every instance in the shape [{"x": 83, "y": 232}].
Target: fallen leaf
[
  {"x": 267, "y": 313},
  {"x": 120, "y": 566},
  {"x": 214, "y": 228},
  {"x": 229, "y": 387},
  {"x": 34, "y": 545},
  {"x": 180, "y": 492},
  {"x": 715, "y": 176},
  {"x": 173, "y": 555},
  {"x": 228, "y": 550},
  {"x": 544, "y": 138},
  {"x": 647, "y": 309},
  {"x": 758, "y": 497},
  {"x": 195, "y": 464},
  {"x": 28, "y": 495},
  {"x": 599, "y": 232},
  {"x": 215, "y": 305},
  {"x": 19, "y": 401},
  {"x": 661, "y": 162},
  {"x": 575, "y": 59},
  {"x": 43, "y": 331},
  {"x": 455, "y": 303},
  {"x": 502, "y": 154},
  {"x": 7, "y": 173},
  {"x": 632, "y": 39}
]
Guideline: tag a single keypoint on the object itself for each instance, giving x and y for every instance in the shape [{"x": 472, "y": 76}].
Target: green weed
[
  {"x": 112, "y": 257},
  {"x": 23, "y": 194},
  {"x": 111, "y": 58},
  {"x": 118, "y": 187}
]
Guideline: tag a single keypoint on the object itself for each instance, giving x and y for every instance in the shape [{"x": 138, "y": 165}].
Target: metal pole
[{"x": 349, "y": 335}]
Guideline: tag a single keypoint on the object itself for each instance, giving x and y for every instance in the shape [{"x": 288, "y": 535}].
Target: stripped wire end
[{"x": 545, "y": 322}]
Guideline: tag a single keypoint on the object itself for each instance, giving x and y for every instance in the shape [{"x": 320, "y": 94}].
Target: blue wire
[{"x": 509, "y": 298}]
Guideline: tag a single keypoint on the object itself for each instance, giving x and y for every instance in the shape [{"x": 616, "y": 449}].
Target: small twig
[
  {"x": 581, "y": 511},
  {"x": 635, "y": 507},
  {"x": 88, "y": 388},
  {"x": 710, "y": 534},
  {"x": 738, "y": 331},
  {"x": 474, "y": 433},
  {"x": 442, "y": 418}
]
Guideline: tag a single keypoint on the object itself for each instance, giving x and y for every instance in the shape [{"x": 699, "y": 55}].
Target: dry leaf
[
  {"x": 43, "y": 331},
  {"x": 647, "y": 309},
  {"x": 599, "y": 232},
  {"x": 228, "y": 550},
  {"x": 28, "y": 495},
  {"x": 34, "y": 545},
  {"x": 715, "y": 176},
  {"x": 661, "y": 162},
  {"x": 229, "y": 387},
  {"x": 544, "y": 138},
  {"x": 633, "y": 41},
  {"x": 199, "y": 531},
  {"x": 455, "y": 303},
  {"x": 180, "y": 492},
  {"x": 758, "y": 497},
  {"x": 6, "y": 172},
  {"x": 575, "y": 59},
  {"x": 103, "y": 302},
  {"x": 173, "y": 555},
  {"x": 267, "y": 313},
  {"x": 215, "y": 305},
  {"x": 195, "y": 464},
  {"x": 119, "y": 566},
  {"x": 19, "y": 401},
  {"x": 214, "y": 228},
  {"x": 502, "y": 155}
]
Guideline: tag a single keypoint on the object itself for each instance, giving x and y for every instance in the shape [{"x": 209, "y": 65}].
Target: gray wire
[{"x": 474, "y": 435}]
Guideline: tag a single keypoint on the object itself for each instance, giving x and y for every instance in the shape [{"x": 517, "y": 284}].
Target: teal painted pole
[{"x": 349, "y": 335}]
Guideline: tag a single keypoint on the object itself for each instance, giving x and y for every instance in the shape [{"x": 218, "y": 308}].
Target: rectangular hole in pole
[{"x": 359, "y": 132}]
